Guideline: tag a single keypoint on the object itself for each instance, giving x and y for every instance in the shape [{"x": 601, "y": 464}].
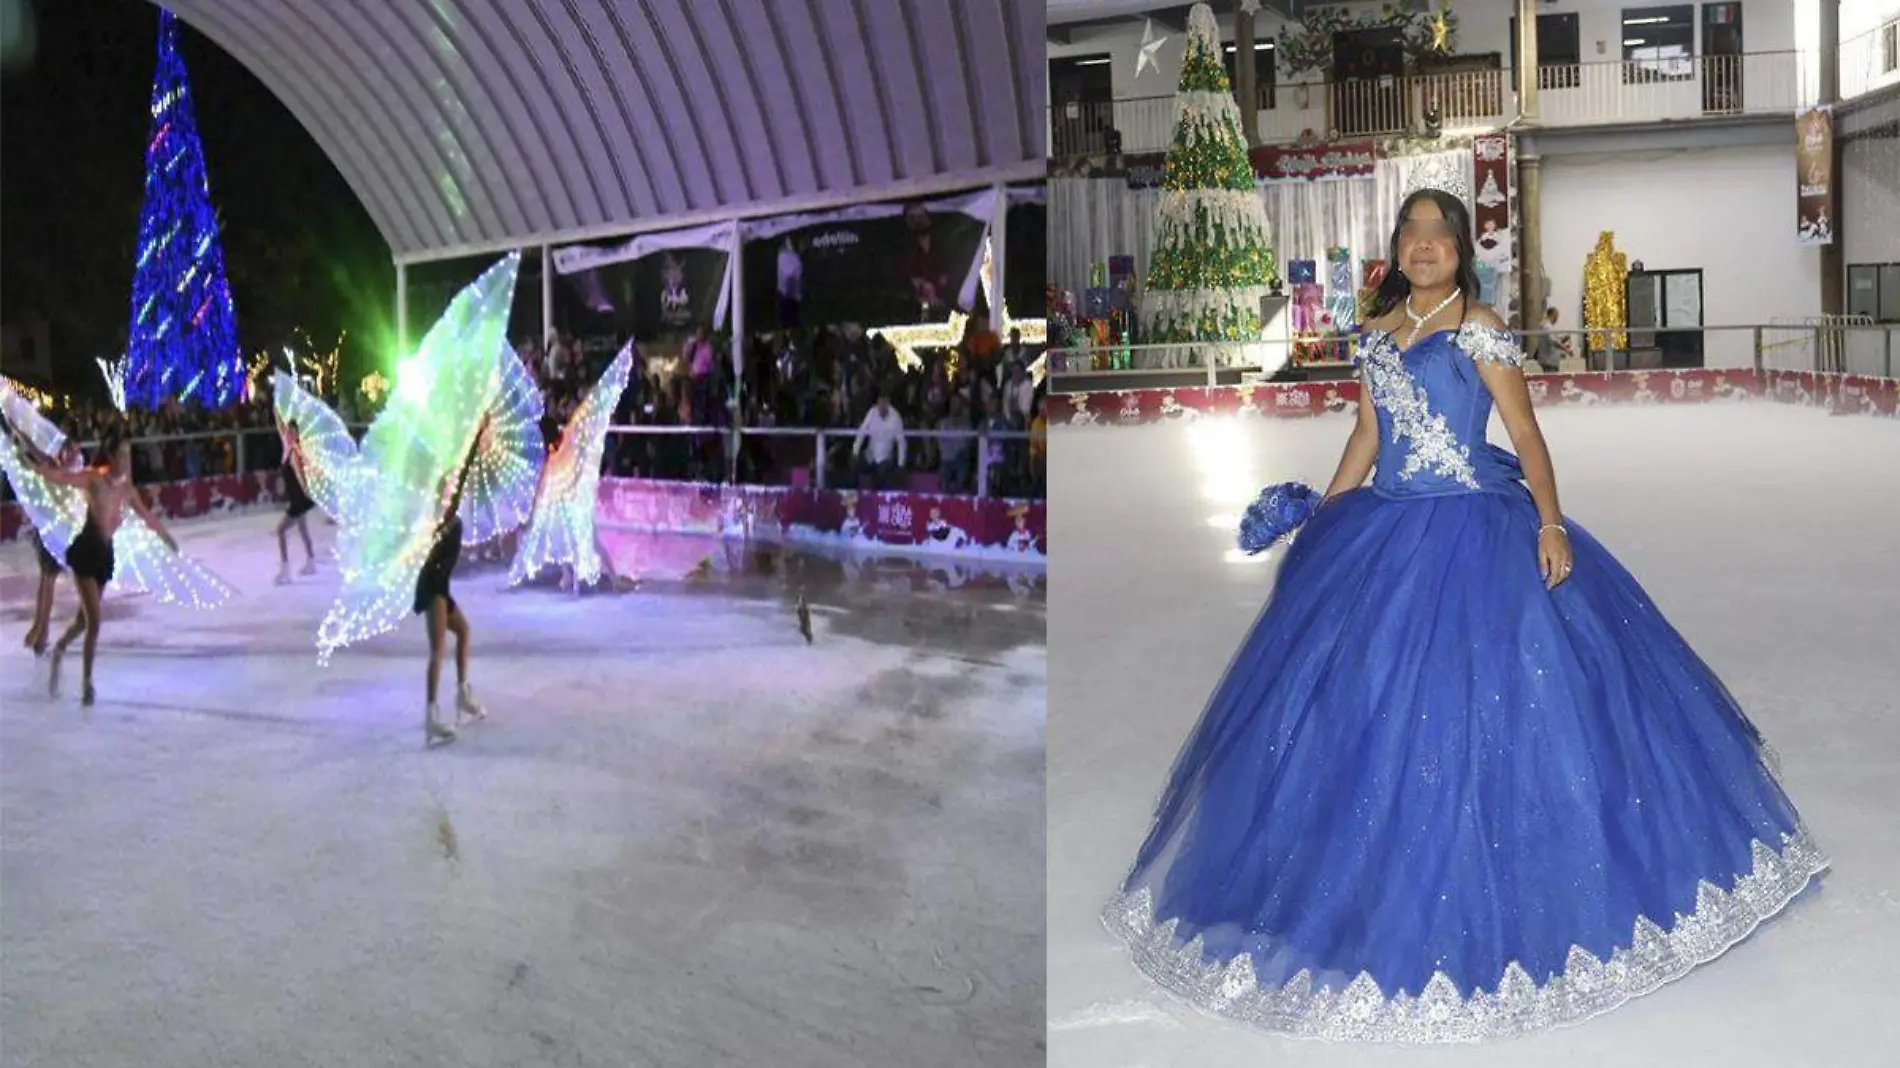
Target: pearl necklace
[{"x": 1419, "y": 321}]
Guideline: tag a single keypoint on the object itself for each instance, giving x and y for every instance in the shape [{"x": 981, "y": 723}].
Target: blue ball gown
[{"x": 1432, "y": 801}]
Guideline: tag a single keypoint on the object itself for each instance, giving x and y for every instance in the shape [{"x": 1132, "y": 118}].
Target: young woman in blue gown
[{"x": 1462, "y": 780}]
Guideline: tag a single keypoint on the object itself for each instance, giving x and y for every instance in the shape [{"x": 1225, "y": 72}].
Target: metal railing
[
  {"x": 1573, "y": 94},
  {"x": 1838, "y": 344},
  {"x": 992, "y": 463},
  {"x": 1870, "y": 61}
]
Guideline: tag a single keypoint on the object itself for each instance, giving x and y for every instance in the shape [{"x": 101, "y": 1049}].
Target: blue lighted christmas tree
[{"x": 183, "y": 340}]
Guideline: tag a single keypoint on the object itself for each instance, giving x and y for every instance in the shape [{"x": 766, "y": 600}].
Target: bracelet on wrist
[{"x": 1558, "y": 527}]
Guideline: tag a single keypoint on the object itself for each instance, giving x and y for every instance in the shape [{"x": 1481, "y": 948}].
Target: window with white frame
[
  {"x": 1890, "y": 47},
  {"x": 1658, "y": 43}
]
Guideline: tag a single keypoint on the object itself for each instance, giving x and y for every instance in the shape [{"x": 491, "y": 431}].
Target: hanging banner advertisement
[
  {"x": 1814, "y": 177},
  {"x": 1491, "y": 217},
  {"x": 650, "y": 286},
  {"x": 1277, "y": 163},
  {"x": 1314, "y": 163},
  {"x": 873, "y": 264},
  {"x": 676, "y": 290}
]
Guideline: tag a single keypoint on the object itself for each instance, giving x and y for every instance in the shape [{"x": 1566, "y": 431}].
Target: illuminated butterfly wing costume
[
  {"x": 57, "y": 512},
  {"x": 413, "y": 457},
  {"x": 501, "y": 479},
  {"x": 328, "y": 451},
  {"x": 144, "y": 563},
  {"x": 561, "y": 531}
]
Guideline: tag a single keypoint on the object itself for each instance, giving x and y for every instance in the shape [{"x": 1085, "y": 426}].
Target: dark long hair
[
  {"x": 1395, "y": 287},
  {"x": 114, "y": 439}
]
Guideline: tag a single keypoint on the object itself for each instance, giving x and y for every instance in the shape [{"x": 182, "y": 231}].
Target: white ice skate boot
[
  {"x": 283, "y": 573},
  {"x": 309, "y": 567},
  {"x": 467, "y": 709},
  {"x": 434, "y": 731}
]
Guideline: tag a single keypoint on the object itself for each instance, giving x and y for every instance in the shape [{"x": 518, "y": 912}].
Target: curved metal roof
[{"x": 472, "y": 126}]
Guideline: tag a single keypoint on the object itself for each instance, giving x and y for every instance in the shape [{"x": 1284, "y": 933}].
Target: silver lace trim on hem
[{"x": 1515, "y": 1005}]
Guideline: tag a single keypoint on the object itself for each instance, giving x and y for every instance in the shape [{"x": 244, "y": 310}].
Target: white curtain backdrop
[{"x": 1091, "y": 219}]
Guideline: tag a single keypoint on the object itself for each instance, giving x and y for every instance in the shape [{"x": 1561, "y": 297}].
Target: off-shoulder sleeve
[{"x": 1485, "y": 343}]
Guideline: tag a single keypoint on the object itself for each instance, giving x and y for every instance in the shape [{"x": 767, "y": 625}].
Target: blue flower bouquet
[{"x": 1276, "y": 514}]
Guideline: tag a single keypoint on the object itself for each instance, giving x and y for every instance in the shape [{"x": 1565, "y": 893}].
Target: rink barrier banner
[
  {"x": 712, "y": 559},
  {"x": 1842, "y": 394},
  {"x": 1847, "y": 394},
  {"x": 919, "y": 522},
  {"x": 916, "y": 523}
]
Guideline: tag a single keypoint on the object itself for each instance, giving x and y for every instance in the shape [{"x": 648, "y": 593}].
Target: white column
[
  {"x": 547, "y": 293},
  {"x": 999, "y": 228},
  {"x": 735, "y": 303},
  {"x": 402, "y": 310},
  {"x": 1527, "y": 63},
  {"x": 735, "y": 299}
]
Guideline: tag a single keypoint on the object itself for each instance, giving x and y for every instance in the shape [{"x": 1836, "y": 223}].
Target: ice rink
[
  {"x": 1770, "y": 536},
  {"x": 683, "y": 837}
]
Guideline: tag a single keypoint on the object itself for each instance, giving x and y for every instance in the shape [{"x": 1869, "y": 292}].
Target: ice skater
[
  {"x": 299, "y": 505},
  {"x": 71, "y": 458},
  {"x": 109, "y": 492},
  {"x": 436, "y": 603},
  {"x": 571, "y": 579},
  {"x": 561, "y": 530}
]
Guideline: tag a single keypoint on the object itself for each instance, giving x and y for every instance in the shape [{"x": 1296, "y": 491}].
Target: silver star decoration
[{"x": 1150, "y": 44}]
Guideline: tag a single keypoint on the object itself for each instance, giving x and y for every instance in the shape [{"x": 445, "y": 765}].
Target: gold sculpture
[{"x": 1605, "y": 314}]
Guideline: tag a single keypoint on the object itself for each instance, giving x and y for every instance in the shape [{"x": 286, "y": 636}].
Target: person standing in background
[
  {"x": 791, "y": 285},
  {"x": 1552, "y": 347},
  {"x": 698, "y": 357},
  {"x": 885, "y": 430}
]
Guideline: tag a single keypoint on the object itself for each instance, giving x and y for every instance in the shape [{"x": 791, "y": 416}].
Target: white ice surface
[
  {"x": 1769, "y": 536},
  {"x": 683, "y": 838}
]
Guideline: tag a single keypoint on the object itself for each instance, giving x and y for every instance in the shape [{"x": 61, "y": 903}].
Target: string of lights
[
  {"x": 317, "y": 368},
  {"x": 114, "y": 373},
  {"x": 946, "y": 335},
  {"x": 561, "y": 531},
  {"x": 254, "y": 372}
]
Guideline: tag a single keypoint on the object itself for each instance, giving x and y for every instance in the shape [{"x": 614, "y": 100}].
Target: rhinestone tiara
[{"x": 1447, "y": 172}]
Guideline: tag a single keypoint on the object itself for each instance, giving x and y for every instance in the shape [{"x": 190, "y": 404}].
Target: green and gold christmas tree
[{"x": 1213, "y": 259}]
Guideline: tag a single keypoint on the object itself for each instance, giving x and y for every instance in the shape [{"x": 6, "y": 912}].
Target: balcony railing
[
  {"x": 1834, "y": 344},
  {"x": 1870, "y": 61},
  {"x": 1575, "y": 94}
]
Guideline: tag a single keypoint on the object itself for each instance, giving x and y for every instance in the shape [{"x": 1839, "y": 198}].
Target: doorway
[
  {"x": 1082, "y": 96},
  {"x": 1722, "y": 58},
  {"x": 1665, "y": 318},
  {"x": 1369, "y": 82}
]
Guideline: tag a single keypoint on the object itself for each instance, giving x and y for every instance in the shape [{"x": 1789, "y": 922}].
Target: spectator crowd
[{"x": 835, "y": 378}]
